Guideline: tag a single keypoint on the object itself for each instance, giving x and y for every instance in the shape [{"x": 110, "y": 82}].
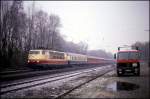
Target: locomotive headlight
[
  {"x": 28, "y": 61},
  {"x": 37, "y": 61},
  {"x": 134, "y": 64}
]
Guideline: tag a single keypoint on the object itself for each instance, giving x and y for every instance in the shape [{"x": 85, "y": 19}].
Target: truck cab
[{"x": 128, "y": 61}]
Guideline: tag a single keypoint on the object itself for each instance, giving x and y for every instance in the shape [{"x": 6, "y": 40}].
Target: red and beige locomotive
[{"x": 50, "y": 58}]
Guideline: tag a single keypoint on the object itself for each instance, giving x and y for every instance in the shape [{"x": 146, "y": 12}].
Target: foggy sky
[{"x": 101, "y": 24}]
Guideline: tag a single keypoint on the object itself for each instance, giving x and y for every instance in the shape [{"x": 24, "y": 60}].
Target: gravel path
[{"x": 105, "y": 87}]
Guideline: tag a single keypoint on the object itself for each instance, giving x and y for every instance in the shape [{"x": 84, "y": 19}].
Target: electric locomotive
[{"x": 56, "y": 59}]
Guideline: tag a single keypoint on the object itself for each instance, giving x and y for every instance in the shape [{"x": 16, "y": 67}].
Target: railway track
[
  {"x": 36, "y": 82},
  {"x": 22, "y": 74},
  {"x": 78, "y": 86},
  {"x": 14, "y": 72}
]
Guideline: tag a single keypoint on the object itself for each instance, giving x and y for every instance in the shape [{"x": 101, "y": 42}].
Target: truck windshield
[
  {"x": 128, "y": 55},
  {"x": 123, "y": 55},
  {"x": 134, "y": 55}
]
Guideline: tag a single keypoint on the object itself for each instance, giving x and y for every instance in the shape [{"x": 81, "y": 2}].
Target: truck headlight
[{"x": 134, "y": 64}]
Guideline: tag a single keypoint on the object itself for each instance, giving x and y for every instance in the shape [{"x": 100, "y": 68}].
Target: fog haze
[{"x": 102, "y": 25}]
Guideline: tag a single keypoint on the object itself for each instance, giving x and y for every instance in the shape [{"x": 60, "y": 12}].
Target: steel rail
[
  {"x": 78, "y": 86},
  {"x": 13, "y": 84},
  {"x": 15, "y": 76},
  {"x": 6, "y": 89},
  {"x": 14, "y": 72},
  {"x": 52, "y": 71}
]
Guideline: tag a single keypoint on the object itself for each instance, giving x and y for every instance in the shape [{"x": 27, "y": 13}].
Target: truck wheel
[{"x": 138, "y": 72}]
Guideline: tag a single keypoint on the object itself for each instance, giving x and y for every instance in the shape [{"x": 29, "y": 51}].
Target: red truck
[{"x": 128, "y": 61}]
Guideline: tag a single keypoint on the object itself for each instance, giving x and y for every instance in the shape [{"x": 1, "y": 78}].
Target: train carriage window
[
  {"x": 51, "y": 55},
  {"x": 63, "y": 56},
  {"x": 70, "y": 58},
  {"x": 58, "y": 57},
  {"x": 43, "y": 52},
  {"x": 54, "y": 57}
]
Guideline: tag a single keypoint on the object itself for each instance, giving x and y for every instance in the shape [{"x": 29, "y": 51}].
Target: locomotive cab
[
  {"x": 46, "y": 59},
  {"x": 36, "y": 56}
]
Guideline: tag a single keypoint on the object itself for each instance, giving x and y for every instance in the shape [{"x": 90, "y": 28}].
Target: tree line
[
  {"x": 32, "y": 29},
  {"x": 144, "y": 50}
]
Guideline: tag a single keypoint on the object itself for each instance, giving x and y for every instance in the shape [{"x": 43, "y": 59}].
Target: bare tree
[
  {"x": 54, "y": 24},
  {"x": 31, "y": 30},
  {"x": 13, "y": 27},
  {"x": 144, "y": 49},
  {"x": 40, "y": 28}
]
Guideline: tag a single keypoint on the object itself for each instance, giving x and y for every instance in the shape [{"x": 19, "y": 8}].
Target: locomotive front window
[{"x": 34, "y": 52}]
